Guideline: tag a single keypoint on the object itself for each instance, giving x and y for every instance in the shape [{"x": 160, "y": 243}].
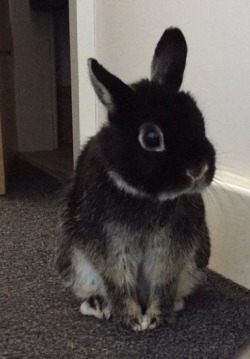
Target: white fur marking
[
  {"x": 168, "y": 195},
  {"x": 86, "y": 309},
  {"x": 123, "y": 185},
  {"x": 165, "y": 196}
]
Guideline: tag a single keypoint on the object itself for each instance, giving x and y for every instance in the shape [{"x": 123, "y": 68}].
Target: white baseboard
[{"x": 228, "y": 216}]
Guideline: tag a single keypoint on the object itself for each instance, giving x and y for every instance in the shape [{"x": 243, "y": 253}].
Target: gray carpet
[{"x": 39, "y": 319}]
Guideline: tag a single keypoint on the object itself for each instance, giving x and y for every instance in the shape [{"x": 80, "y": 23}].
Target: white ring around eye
[{"x": 143, "y": 128}]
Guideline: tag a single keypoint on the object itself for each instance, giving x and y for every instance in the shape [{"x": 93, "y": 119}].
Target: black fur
[{"x": 146, "y": 237}]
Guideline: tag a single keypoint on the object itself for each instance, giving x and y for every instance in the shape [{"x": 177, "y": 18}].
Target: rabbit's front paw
[
  {"x": 179, "y": 305},
  {"x": 151, "y": 321},
  {"x": 157, "y": 316},
  {"x": 129, "y": 315},
  {"x": 133, "y": 322},
  {"x": 96, "y": 306}
]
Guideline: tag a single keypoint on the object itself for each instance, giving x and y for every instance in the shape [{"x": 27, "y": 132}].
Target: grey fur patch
[
  {"x": 87, "y": 281},
  {"x": 190, "y": 277},
  {"x": 125, "y": 254}
]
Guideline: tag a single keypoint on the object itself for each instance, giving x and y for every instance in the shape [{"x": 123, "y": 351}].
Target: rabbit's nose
[{"x": 196, "y": 174}]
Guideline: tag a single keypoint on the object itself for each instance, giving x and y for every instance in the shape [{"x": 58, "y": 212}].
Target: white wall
[
  {"x": 82, "y": 46},
  {"x": 228, "y": 213},
  {"x": 34, "y": 77},
  {"x": 218, "y": 68},
  {"x": 218, "y": 73}
]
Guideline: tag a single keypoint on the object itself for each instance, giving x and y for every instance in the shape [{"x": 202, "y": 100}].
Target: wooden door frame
[{"x": 82, "y": 46}]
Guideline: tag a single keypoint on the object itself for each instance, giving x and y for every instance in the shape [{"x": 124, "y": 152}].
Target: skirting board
[{"x": 228, "y": 216}]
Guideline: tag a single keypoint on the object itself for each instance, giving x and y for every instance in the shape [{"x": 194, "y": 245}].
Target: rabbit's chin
[
  {"x": 190, "y": 189},
  {"x": 161, "y": 196}
]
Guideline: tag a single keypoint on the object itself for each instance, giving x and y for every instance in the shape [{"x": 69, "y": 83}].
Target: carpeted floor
[{"x": 39, "y": 319}]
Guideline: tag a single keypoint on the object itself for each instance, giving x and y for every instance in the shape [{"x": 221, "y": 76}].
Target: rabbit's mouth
[{"x": 192, "y": 182}]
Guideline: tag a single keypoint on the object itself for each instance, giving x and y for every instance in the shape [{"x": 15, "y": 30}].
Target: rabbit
[{"x": 134, "y": 242}]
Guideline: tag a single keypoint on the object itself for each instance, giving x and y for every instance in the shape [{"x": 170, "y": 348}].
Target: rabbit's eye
[{"x": 151, "y": 138}]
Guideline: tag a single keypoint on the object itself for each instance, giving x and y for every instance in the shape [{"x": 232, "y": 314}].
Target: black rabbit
[{"x": 135, "y": 241}]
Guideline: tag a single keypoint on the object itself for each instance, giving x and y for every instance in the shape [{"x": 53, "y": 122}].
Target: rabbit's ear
[
  {"x": 111, "y": 91},
  {"x": 170, "y": 59}
]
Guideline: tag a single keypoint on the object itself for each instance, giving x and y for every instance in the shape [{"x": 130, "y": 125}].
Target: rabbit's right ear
[
  {"x": 169, "y": 59},
  {"x": 111, "y": 91}
]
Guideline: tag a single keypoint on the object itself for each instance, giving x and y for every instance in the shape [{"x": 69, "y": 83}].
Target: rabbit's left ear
[
  {"x": 169, "y": 59},
  {"x": 111, "y": 91}
]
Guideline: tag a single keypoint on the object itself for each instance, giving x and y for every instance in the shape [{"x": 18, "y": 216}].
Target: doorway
[
  {"x": 52, "y": 149},
  {"x": 43, "y": 82}
]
